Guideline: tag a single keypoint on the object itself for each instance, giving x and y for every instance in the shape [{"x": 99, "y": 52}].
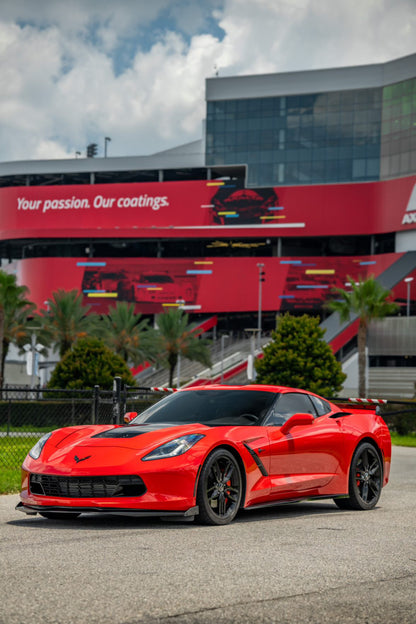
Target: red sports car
[{"x": 210, "y": 452}]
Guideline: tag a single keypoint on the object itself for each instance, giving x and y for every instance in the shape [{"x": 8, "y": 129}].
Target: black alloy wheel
[
  {"x": 365, "y": 480},
  {"x": 220, "y": 488}
]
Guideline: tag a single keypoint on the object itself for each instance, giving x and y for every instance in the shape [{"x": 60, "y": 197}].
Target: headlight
[
  {"x": 37, "y": 449},
  {"x": 179, "y": 446}
]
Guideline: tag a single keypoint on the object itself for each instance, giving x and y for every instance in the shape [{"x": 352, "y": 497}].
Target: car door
[{"x": 307, "y": 457}]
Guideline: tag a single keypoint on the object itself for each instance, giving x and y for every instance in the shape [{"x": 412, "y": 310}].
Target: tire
[
  {"x": 365, "y": 479},
  {"x": 220, "y": 488},
  {"x": 50, "y": 515}
]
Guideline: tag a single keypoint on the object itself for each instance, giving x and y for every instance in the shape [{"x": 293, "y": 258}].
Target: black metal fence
[{"x": 27, "y": 413}]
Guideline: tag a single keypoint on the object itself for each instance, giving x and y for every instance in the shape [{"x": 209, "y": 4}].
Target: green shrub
[
  {"x": 87, "y": 364},
  {"x": 299, "y": 357},
  {"x": 399, "y": 418}
]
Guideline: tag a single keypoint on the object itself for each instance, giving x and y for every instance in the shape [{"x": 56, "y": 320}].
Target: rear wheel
[
  {"x": 50, "y": 515},
  {"x": 365, "y": 480},
  {"x": 219, "y": 489}
]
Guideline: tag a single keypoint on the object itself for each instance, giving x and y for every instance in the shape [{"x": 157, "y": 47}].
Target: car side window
[
  {"x": 289, "y": 404},
  {"x": 322, "y": 407}
]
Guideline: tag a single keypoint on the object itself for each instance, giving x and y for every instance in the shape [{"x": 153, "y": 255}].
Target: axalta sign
[{"x": 410, "y": 214}]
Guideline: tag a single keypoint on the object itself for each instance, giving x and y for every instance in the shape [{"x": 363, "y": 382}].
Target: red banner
[
  {"x": 200, "y": 285},
  {"x": 206, "y": 209}
]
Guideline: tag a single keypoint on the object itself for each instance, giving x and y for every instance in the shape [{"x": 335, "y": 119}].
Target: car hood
[
  {"x": 79, "y": 449},
  {"x": 127, "y": 436}
]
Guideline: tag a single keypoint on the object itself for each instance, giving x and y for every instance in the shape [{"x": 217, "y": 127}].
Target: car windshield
[{"x": 210, "y": 407}]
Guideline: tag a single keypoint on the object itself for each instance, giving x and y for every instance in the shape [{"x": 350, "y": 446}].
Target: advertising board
[
  {"x": 206, "y": 209},
  {"x": 200, "y": 285}
]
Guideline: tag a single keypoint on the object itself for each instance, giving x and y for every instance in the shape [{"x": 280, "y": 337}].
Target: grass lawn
[
  {"x": 9, "y": 480},
  {"x": 14, "y": 455},
  {"x": 407, "y": 440}
]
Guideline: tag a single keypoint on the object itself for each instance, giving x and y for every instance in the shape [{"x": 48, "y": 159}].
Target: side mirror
[
  {"x": 128, "y": 416},
  {"x": 296, "y": 420}
]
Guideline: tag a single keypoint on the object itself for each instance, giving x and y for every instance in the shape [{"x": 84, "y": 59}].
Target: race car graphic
[
  {"x": 243, "y": 205},
  {"x": 160, "y": 286}
]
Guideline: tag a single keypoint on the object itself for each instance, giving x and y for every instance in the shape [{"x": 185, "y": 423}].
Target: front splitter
[{"x": 32, "y": 510}]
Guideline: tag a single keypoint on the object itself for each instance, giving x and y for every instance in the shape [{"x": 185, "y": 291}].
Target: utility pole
[{"x": 260, "y": 266}]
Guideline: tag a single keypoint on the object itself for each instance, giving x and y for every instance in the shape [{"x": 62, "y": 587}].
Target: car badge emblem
[{"x": 77, "y": 459}]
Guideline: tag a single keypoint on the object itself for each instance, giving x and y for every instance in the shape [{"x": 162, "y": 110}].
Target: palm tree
[
  {"x": 369, "y": 300},
  {"x": 127, "y": 334},
  {"x": 177, "y": 337},
  {"x": 14, "y": 311},
  {"x": 66, "y": 320}
]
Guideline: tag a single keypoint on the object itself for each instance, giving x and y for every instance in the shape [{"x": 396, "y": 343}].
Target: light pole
[
  {"x": 223, "y": 337},
  {"x": 408, "y": 281},
  {"x": 106, "y": 140},
  {"x": 260, "y": 266}
]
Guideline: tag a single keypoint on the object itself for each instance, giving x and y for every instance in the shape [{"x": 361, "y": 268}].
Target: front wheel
[
  {"x": 220, "y": 488},
  {"x": 365, "y": 480}
]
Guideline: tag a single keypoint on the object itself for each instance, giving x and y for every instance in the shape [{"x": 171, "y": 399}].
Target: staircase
[
  {"x": 337, "y": 334},
  {"x": 225, "y": 363},
  {"x": 392, "y": 382}
]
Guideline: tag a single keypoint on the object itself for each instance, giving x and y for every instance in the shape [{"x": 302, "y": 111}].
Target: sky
[{"x": 73, "y": 72}]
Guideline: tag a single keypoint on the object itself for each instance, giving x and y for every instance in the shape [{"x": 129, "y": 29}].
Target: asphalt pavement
[{"x": 306, "y": 563}]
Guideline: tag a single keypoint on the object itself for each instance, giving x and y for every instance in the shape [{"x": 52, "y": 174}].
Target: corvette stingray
[{"x": 209, "y": 453}]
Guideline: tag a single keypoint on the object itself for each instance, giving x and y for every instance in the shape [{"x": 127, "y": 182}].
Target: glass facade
[
  {"x": 316, "y": 138},
  {"x": 398, "y": 130}
]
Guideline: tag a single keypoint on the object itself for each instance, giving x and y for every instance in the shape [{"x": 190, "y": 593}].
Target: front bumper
[{"x": 32, "y": 510}]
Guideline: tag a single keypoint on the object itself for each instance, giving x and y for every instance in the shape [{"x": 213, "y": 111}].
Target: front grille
[{"x": 87, "y": 487}]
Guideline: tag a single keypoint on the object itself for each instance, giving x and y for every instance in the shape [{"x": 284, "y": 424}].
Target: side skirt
[{"x": 290, "y": 501}]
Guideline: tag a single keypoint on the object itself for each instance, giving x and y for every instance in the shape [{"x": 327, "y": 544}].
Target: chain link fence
[{"x": 26, "y": 414}]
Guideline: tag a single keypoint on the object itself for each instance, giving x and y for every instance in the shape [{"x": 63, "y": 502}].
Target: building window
[{"x": 322, "y": 137}]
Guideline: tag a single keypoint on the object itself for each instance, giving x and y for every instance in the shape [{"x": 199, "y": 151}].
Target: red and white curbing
[{"x": 374, "y": 401}]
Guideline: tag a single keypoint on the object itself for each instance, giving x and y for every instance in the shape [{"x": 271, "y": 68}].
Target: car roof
[{"x": 264, "y": 387}]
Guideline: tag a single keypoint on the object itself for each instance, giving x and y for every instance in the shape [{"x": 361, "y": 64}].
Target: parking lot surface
[{"x": 304, "y": 563}]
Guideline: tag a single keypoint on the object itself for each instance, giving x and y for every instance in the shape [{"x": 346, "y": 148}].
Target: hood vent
[
  {"x": 130, "y": 431},
  {"x": 122, "y": 432}
]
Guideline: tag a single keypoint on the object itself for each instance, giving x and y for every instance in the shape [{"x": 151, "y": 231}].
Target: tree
[
  {"x": 66, "y": 320},
  {"x": 299, "y": 357},
  {"x": 127, "y": 334},
  {"x": 14, "y": 312},
  {"x": 369, "y": 300},
  {"x": 88, "y": 363},
  {"x": 177, "y": 337}
]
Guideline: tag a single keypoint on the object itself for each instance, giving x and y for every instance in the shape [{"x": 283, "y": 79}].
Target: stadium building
[{"x": 300, "y": 180}]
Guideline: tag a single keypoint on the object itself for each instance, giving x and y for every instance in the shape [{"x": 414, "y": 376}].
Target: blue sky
[{"x": 75, "y": 71}]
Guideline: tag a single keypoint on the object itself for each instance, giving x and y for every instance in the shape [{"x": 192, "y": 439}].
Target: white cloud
[
  {"x": 61, "y": 88},
  {"x": 289, "y": 35}
]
